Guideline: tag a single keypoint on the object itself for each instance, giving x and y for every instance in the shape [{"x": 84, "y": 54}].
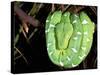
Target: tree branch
[
  {"x": 26, "y": 18},
  {"x": 62, "y": 7},
  {"x": 53, "y": 8}
]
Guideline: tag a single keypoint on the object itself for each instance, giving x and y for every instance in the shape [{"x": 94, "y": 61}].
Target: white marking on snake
[
  {"x": 47, "y": 48},
  {"x": 47, "y": 30},
  {"x": 93, "y": 23},
  {"x": 68, "y": 58},
  {"x": 51, "y": 25},
  {"x": 49, "y": 44},
  {"x": 52, "y": 16},
  {"x": 61, "y": 63},
  {"x": 84, "y": 21},
  {"x": 74, "y": 50},
  {"x": 51, "y": 53},
  {"x": 93, "y": 28},
  {"x": 47, "y": 20},
  {"x": 73, "y": 65},
  {"x": 74, "y": 21},
  {"x": 76, "y": 15},
  {"x": 79, "y": 33},
  {"x": 75, "y": 38},
  {"x": 88, "y": 39},
  {"x": 65, "y": 14},
  {"x": 83, "y": 48},
  {"x": 85, "y": 33},
  {"x": 81, "y": 57}
]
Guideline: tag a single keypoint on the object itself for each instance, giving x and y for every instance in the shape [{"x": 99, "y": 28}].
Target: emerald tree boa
[{"x": 68, "y": 38}]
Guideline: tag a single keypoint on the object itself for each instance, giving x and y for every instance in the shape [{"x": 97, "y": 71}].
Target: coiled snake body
[{"x": 68, "y": 38}]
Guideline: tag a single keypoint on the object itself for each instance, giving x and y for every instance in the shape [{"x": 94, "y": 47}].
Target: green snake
[{"x": 68, "y": 38}]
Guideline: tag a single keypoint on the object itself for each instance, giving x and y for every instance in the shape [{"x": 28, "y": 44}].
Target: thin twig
[
  {"x": 16, "y": 39},
  {"x": 17, "y": 36},
  {"x": 67, "y": 7},
  {"x": 24, "y": 33},
  {"x": 18, "y": 57},
  {"x": 32, "y": 33},
  {"x": 53, "y": 8},
  {"x": 35, "y": 9},
  {"x": 15, "y": 52},
  {"x": 21, "y": 54},
  {"x": 25, "y": 26},
  {"x": 94, "y": 10},
  {"x": 25, "y": 36}
]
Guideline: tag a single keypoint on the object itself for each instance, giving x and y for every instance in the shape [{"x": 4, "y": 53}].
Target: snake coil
[{"x": 68, "y": 38}]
